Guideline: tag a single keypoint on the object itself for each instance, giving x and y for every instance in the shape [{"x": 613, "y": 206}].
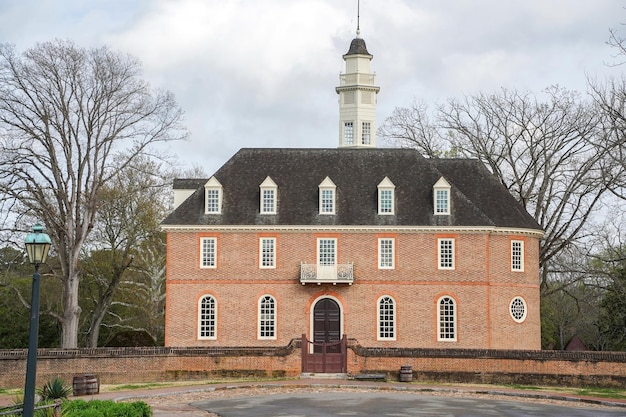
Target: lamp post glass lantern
[{"x": 37, "y": 246}]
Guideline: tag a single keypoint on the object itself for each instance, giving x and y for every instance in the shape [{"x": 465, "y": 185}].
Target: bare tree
[
  {"x": 555, "y": 156},
  {"x": 141, "y": 305},
  {"x": 413, "y": 127},
  {"x": 71, "y": 119},
  {"x": 610, "y": 97},
  {"x": 151, "y": 289},
  {"x": 131, "y": 207},
  {"x": 618, "y": 43}
]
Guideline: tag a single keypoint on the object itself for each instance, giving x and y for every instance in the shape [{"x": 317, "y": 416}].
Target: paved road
[{"x": 376, "y": 404}]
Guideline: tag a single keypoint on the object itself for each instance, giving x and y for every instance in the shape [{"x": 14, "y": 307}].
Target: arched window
[
  {"x": 446, "y": 319},
  {"x": 267, "y": 317},
  {"x": 207, "y": 318},
  {"x": 386, "y": 318}
]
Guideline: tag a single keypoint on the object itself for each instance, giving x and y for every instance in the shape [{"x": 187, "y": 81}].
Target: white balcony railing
[
  {"x": 357, "y": 78},
  {"x": 326, "y": 274}
]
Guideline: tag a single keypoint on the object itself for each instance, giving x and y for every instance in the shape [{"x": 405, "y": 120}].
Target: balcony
[
  {"x": 326, "y": 274},
  {"x": 357, "y": 78}
]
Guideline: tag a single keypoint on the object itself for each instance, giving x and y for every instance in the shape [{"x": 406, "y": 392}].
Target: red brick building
[{"x": 381, "y": 245}]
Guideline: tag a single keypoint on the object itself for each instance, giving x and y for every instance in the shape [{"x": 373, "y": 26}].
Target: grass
[
  {"x": 130, "y": 387},
  {"x": 155, "y": 385},
  {"x": 612, "y": 393},
  {"x": 524, "y": 387}
]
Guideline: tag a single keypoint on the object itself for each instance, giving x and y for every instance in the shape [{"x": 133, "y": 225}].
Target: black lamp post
[{"x": 37, "y": 246}]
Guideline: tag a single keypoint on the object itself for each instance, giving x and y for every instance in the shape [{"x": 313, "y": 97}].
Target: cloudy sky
[{"x": 262, "y": 73}]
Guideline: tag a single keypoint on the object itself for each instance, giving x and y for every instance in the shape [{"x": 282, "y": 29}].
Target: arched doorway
[
  {"x": 327, "y": 351},
  {"x": 326, "y": 324}
]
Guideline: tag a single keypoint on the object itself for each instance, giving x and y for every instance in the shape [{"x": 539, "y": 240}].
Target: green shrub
[
  {"x": 18, "y": 404},
  {"x": 105, "y": 408},
  {"x": 55, "y": 389},
  {"x": 46, "y": 412},
  {"x": 10, "y": 408}
]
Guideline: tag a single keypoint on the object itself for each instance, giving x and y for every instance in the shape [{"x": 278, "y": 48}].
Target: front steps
[{"x": 315, "y": 375}]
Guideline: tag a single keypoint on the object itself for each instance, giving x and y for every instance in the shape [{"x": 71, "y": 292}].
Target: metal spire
[{"x": 358, "y": 17}]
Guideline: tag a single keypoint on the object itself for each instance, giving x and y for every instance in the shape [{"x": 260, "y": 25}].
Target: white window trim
[
  {"x": 213, "y": 185},
  {"x": 439, "y": 253},
  {"x": 393, "y": 253},
  {"x": 345, "y": 130},
  {"x": 268, "y": 185},
  {"x": 386, "y": 185},
  {"x": 328, "y": 185},
  {"x": 214, "y": 337},
  {"x": 273, "y": 266},
  {"x": 378, "y": 324},
  {"x": 319, "y": 241},
  {"x": 202, "y": 266},
  {"x": 523, "y": 318},
  {"x": 441, "y": 185},
  {"x": 454, "y": 317},
  {"x": 521, "y": 243},
  {"x": 274, "y": 320}
]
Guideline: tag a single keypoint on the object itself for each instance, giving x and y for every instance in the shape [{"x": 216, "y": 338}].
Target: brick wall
[
  {"x": 129, "y": 365},
  {"x": 133, "y": 365},
  {"x": 482, "y": 284},
  {"x": 606, "y": 369}
]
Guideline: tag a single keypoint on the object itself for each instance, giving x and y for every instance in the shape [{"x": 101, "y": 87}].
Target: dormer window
[
  {"x": 269, "y": 194},
  {"x": 213, "y": 196},
  {"x": 327, "y": 196},
  {"x": 386, "y": 197},
  {"x": 441, "y": 195}
]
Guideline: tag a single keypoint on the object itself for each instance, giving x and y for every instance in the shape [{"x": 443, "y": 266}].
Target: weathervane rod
[{"x": 358, "y": 17}]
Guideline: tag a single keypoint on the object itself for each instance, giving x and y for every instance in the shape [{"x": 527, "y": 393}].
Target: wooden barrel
[
  {"x": 91, "y": 384},
  {"x": 406, "y": 373},
  {"x": 78, "y": 385},
  {"x": 86, "y": 384}
]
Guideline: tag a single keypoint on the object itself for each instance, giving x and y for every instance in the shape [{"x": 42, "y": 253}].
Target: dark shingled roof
[
  {"x": 357, "y": 47},
  {"x": 189, "y": 183},
  {"x": 477, "y": 197}
]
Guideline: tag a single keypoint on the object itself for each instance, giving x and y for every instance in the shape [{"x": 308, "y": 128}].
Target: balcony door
[{"x": 326, "y": 258}]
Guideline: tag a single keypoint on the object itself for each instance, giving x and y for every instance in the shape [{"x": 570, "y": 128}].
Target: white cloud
[{"x": 253, "y": 73}]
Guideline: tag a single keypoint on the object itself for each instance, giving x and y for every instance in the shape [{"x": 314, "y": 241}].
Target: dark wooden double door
[{"x": 327, "y": 352}]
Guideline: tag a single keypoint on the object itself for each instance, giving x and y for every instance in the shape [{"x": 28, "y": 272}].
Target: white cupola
[{"x": 357, "y": 98}]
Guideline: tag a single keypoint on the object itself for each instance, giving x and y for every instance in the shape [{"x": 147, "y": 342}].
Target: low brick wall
[
  {"x": 133, "y": 365},
  {"x": 547, "y": 367}
]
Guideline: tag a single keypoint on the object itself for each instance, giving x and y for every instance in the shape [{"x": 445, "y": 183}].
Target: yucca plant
[{"x": 55, "y": 389}]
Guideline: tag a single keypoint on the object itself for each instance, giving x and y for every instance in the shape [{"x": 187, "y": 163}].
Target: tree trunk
[
  {"x": 94, "y": 328},
  {"x": 71, "y": 312},
  {"x": 102, "y": 307}
]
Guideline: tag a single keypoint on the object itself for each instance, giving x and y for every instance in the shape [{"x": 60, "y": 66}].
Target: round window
[{"x": 518, "y": 309}]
